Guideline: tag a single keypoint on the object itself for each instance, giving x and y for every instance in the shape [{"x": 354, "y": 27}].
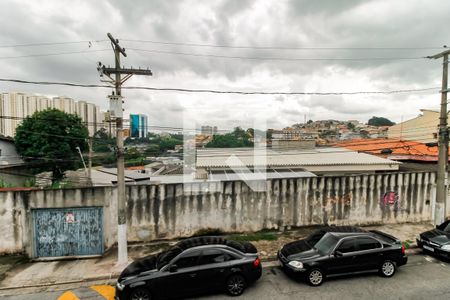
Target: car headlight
[
  {"x": 120, "y": 286},
  {"x": 296, "y": 264},
  {"x": 446, "y": 247}
]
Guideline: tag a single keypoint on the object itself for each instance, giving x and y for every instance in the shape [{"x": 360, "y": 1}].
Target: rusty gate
[{"x": 67, "y": 231}]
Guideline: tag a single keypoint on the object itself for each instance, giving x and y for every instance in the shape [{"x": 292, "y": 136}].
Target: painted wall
[
  {"x": 423, "y": 128},
  {"x": 171, "y": 210}
]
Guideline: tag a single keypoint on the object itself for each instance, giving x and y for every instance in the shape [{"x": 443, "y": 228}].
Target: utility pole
[
  {"x": 116, "y": 110},
  {"x": 90, "y": 142},
  {"x": 440, "y": 210}
]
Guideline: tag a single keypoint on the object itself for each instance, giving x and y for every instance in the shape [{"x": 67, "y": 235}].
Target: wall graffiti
[{"x": 392, "y": 200}]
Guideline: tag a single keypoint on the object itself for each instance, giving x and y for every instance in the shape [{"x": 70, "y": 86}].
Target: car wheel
[
  {"x": 140, "y": 294},
  {"x": 235, "y": 285},
  {"x": 387, "y": 269},
  {"x": 315, "y": 277}
]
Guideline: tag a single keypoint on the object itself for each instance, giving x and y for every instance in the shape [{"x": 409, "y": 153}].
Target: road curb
[{"x": 268, "y": 262}]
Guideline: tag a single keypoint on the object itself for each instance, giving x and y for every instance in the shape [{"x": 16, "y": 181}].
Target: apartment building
[
  {"x": 138, "y": 125},
  {"x": 423, "y": 128},
  {"x": 14, "y": 107}
]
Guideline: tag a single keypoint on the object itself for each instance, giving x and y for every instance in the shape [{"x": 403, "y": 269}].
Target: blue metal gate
[{"x": 67, "y": 231}]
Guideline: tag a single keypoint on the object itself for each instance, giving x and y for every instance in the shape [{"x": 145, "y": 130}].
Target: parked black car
[
  {"x": 309, "y": 242},
  {"x": 193, "y": 266},
  {"x": 437, "y": 240},
  {"x": 346, "y": 253}
]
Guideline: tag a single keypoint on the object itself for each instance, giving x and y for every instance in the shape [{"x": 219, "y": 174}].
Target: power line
[
  {"x": 276, "y": 58},
  {"x": 52, "y": 54},
  {"x": 219, "y": 91},
  {"x": 52, "y": 43},
  {"x": 276, "y": 47}
]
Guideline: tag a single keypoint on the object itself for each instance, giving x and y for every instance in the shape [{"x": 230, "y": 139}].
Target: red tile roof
[{"x": 401, "y": 150}]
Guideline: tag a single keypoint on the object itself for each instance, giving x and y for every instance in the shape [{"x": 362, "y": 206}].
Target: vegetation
[
  {"x": 237, "y": 138},
  {"x": 351, "y": 126},
  {"x": 157, "y": 144},
  {"x": 102, "y": 142},
  {"x": 380, "y": 121},
  {"x": 253, "y": 237},
  {"x": 208, "y": 232},
  {"x": 49, "y": 140}
]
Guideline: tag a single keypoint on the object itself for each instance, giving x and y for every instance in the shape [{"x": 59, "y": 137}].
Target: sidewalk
[{"x": 103, "y": 269}]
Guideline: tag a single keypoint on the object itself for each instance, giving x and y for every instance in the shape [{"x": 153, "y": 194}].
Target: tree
[
  {"x": 51, "y": 138},
  {"x": 351, "y": 126},
  {"x": 380, "y": 121},
  {"x": 102, "y": 142},
  {"x": 237, "y": 138}
]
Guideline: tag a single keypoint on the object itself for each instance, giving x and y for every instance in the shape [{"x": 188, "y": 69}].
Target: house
[
  {"x": 8, "y": 154},
  {"x": 423, "y": 128},
  {"x": 413, "y": 155},
  {"x": 320, "y": 161}
]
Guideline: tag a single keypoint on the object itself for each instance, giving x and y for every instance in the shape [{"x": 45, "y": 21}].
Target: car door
[
  {"x": 369, "y": 253},
  {"x": 213, "y": 268},
  {"x": 182, "y": 280},
  {"x": 343, "y": 259}
]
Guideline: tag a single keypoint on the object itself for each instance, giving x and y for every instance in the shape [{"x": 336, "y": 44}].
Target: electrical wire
[
  {"x": 277, "y": 47},
  {"x": 52, "y": 54},
  {"x": 53, "y": 43},
  {"x": 276, "y": 58},
  {"x": 218, "y": 91}
]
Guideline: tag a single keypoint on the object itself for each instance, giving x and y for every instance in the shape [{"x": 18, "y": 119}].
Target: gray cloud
[{"x": 295, "y": 23}]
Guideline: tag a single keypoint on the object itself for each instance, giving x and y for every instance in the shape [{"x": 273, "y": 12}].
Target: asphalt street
[{"x": 424, "y": 277}]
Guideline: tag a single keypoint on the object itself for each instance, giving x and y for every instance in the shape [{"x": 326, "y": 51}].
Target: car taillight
[
  {"x": 403, "y": 249},
  {"x": 257, "y": 262}
]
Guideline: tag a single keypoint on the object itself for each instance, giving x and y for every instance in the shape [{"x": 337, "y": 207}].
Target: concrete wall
[{"x": 171, "y": 210}]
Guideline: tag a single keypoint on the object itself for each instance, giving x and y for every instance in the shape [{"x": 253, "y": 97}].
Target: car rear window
[
  {"x": 367, "y": 244},
  {"x": 214, "y": 256}
]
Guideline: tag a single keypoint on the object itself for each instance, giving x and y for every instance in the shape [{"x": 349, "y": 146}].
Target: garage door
[{"x": 67, "y": 231}]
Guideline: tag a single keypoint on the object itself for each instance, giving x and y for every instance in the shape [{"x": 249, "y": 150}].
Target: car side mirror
[
  {"x": 437, "y": 226},
  {"x": 338, "y": 253},
  {"x": 173, "y": 268}
]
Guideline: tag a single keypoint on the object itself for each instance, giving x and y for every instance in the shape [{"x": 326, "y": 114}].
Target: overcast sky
[{"x": 283, "y": 24}]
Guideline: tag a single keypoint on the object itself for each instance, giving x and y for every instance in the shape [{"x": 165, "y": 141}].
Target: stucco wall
[{"x": 164, "y": 211}]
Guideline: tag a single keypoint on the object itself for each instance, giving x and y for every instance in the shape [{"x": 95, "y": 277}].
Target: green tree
[
  {"x": 351, "y": 126},
  {"x": 51, "y": 137},
  {"x": 102, "y": 142},
  {"x": 236, "y": 139},
  {"x": 380, "y": 121}
]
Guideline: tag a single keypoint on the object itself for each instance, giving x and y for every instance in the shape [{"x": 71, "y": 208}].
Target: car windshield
[
  {"x": 165, "y": 257},
  {"x": 313, "y": 238},
  {"x": 447, "y": 228},
  {"x": 326, "y": 244}
]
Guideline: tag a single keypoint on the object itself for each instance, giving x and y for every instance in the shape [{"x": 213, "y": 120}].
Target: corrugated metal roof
[{"x": 266, "y": 157}]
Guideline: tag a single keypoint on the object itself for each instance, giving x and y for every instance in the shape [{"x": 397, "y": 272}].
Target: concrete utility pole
[
  {"x": 116, "y": 110},
  {"x": 440, "y": 210}
]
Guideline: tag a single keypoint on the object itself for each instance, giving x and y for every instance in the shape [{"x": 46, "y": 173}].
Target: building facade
[
  {"x": 423, "y": 128},
  {"x": 209, "y": 130},
  {"x": 138, "y": 125},
  {"x": 14, "y": 107}
]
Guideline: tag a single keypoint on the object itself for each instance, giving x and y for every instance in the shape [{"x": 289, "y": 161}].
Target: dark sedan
[
  {"x": 309, "y": 242},
  {"x": 191, "y": 267},
  {"x": 437, "y": 240},
  {"x": 346, "y": 253}
]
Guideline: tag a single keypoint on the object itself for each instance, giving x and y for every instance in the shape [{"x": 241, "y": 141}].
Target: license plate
[{"x": 428, "y": 248}]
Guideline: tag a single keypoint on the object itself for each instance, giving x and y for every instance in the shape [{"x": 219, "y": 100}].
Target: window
[
  {"x": 190, "y": 260},
  {"x": 213, "y": 256},
  {"x": 367, "y": 244},
  {"x": 444, "y": 226},
  {"x": 347, "y": 246}
]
